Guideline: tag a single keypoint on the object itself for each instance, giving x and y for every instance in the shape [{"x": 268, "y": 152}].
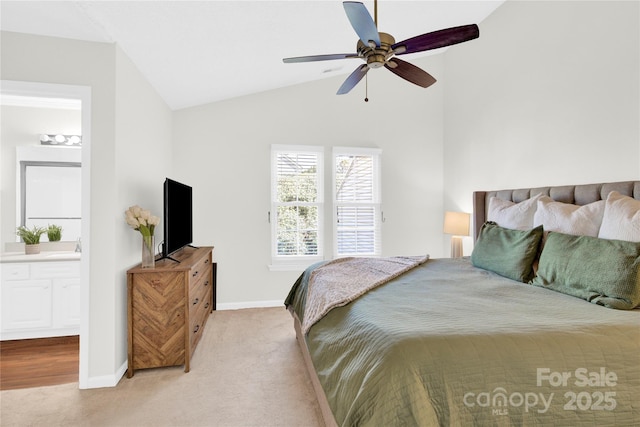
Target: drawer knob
[
  {"x": 196, "y": 329},
  {"x": 206, "y": 305},
  {"x": 206, "y": 283},
  {"x": 195, "y": 301},
  {"x": 195, "y": 273}
]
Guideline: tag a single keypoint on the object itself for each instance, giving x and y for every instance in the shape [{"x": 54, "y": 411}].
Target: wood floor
[{"x": 38, "y": 362}]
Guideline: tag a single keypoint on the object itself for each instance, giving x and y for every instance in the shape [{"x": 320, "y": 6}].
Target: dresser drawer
[
  {"x": 199, "y": 319},
  {"x": 15, "y": 271},
  {"x": 197, "y": 299},
  {"x": 203, "y": 280},
  {"x": 201, "y": 269}
]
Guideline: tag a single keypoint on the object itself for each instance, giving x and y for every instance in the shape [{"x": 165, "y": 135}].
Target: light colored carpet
[{"x": 246, "y": 371}]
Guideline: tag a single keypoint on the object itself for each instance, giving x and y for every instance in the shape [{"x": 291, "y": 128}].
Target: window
[
  {"x": 297, "y": 203},
  {"x": 356, "y": 200}
]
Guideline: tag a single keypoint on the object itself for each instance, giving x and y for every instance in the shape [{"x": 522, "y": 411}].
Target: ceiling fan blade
[
  {"x": 362, "y": 22},
  {"x": 353, "y": 79},
  {"x": 313, "y": 58},
  {"x": 437, "y": 39},
  {"x": 410, "y": 72}
]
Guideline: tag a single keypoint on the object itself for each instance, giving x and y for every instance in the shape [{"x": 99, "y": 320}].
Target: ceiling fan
[{"x": 380, "y": 49}]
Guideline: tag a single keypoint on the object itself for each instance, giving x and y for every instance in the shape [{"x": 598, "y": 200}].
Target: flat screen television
[{"x": 178, "y": 217}]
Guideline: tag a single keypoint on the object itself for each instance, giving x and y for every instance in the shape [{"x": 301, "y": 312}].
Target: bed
[{"x": 462, "y": 342}]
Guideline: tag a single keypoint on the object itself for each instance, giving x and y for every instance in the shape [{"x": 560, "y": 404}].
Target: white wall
[
  {"x": 21, "y": 127},
  {"x": 548, "y": 96},
  {"x": 143, "y": 157},
  {"x": 128, "y": 118},
  {"x": 84, "y": 64},
  {"x": 223, "y": 151}
]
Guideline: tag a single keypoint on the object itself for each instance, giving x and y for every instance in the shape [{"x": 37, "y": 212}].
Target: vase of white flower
[
  {"x": 148, "y": 254},
  {"x": 141, "y": 220}
]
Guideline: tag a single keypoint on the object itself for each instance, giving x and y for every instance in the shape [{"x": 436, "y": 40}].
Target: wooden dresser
[{"x": 168, "y": 307}]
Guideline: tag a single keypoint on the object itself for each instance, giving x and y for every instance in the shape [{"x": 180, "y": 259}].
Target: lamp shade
[{"x": 456, "y": 223}]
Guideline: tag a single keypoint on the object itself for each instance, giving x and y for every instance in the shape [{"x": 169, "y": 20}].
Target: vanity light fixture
[{"x": 61, "y": 140}]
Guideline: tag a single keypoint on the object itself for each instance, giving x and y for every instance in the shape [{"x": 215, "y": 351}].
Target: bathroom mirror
[{"x": 50, "y": 194}]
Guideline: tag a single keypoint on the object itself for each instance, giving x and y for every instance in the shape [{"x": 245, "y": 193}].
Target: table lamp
[{"x": 457, "y": 224}]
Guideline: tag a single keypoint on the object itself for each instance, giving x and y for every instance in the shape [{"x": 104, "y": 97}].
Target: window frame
[
  {"x": 295, "y": 262},
  {"x": 376, "y": 201}
]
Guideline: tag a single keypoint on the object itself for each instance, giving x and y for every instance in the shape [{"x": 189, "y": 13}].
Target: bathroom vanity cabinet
[{"x": 40, "y": 299}]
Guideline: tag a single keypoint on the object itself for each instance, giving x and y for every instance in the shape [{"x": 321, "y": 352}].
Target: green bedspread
[{"x": 453, "y": 345}]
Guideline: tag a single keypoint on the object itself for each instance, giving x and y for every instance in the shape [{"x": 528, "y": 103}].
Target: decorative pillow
[
  {"x": 569, "y": 219},
  {"x": 604, "y": 272},
  {"x": 508, "y": 214},
  {"x": 621, "y": 220},
  {"x": 509, "y": 253}
]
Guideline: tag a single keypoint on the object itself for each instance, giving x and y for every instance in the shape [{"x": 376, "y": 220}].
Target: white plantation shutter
[
  {"x": 297, "y": 202},
  {"x": 357, "y": 201}
]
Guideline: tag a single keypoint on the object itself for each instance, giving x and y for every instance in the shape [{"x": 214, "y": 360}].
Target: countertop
[{"x": 43, "y": 256}]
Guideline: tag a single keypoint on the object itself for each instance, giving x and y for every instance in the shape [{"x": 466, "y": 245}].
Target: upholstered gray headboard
[{"x": 574, "y": 194}]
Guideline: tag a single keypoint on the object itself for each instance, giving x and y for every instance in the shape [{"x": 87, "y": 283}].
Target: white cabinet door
[
  {"x": 66, "y": 303},
  {"x": 26, "y": 304},
  {"x": 39, "y": 299}
]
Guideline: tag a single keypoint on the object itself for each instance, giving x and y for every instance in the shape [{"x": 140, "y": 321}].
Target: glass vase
[{"x": 148, "y": 253}]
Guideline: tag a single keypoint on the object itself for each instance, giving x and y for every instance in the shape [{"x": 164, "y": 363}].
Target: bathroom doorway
[{"x": 81, "y": 94}]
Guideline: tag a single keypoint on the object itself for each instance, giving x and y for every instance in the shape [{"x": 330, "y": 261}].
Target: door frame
[{"x": 82, "y": 93}]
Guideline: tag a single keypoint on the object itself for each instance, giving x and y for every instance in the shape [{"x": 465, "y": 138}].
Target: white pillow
[
  {"x": 621, "y": 220},
  {"x": 517, "y": 216},
  {"x": 569, "y": 219}
]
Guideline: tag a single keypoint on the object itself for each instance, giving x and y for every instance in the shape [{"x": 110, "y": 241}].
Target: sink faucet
[{"x": 78, "y": 245}]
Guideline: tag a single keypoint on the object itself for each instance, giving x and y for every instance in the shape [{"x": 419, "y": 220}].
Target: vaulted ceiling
[{"x": 196, "y": 52}]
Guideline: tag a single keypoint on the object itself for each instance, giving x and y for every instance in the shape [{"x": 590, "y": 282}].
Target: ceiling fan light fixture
[
  {"x": 375, "y": 61},
  {"x": 399, "y": 50}
]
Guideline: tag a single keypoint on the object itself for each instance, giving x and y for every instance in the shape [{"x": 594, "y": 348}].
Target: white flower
[
  {"x": 141, "y": 220},
  {"x": 135, "y": 210},
  {"x": 132, "y": 221}
]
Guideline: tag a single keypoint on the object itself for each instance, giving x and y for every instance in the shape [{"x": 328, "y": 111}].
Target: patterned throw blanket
[{"x": 341, "y": 281}]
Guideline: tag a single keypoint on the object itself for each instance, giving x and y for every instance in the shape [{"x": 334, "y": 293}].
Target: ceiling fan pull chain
[{"x": 366, "y": 88}]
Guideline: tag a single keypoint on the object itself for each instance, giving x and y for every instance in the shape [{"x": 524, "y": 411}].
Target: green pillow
[
  {"x": 601, "y": 271},
  {"x": 509, "y": 253}
]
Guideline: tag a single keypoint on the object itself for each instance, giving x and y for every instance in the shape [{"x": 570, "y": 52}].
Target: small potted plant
[
  {"x": 31, "y": 238},
  {"x": 54, "y": 233}
]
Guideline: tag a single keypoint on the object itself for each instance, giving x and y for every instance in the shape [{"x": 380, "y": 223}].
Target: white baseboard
[
  {"x": 107, "y": 380},
  {"x": 249, "y": 304}
]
